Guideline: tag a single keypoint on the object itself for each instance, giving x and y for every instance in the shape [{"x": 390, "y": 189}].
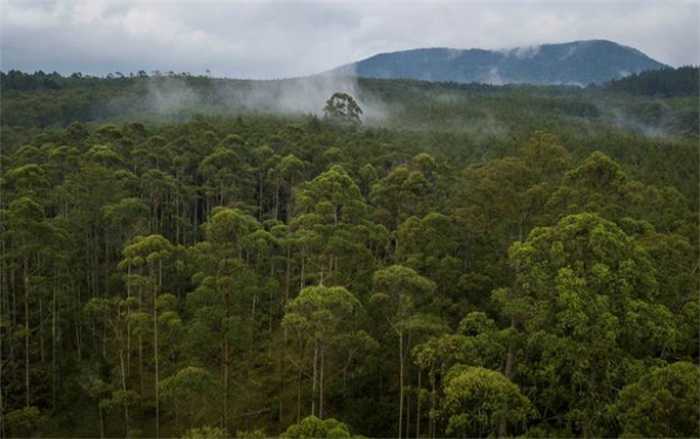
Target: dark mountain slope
[{"x": 579, "y": 62}]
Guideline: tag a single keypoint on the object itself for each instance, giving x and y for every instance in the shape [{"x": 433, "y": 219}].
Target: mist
[{"x": 177, "y": 96}]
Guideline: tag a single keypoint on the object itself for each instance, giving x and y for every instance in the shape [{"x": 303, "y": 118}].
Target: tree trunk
[
  {"x": 418, "y": 403},
  {"x": 301, "y": 276},
  {"x": 53, "y": 350},
  {"x": 26, "y": 332},
  {"x": 128, "y": 321},
  {"x": 126, "y": 404},
  {"x": 78, "y": 338},
  {"x": 407, "y": 373},
  {"x": 102, "y": 421},
  {"x": 141, "y": 384},
  {"x": 314, "y": 379},
  {"x": 408, "y": 409},
  {"x": 433, "y": 402},
  {"x": 277, "y": 199},
  {"x": 320, "y": 393},
  {"x": 260, "y": 195},
  {"x": 226, "y": 361},
  {"x": 155, "y": 343},
  {"x": 508, "y": 372},
  {"x": 299, "y": 396},
  {"x": 287, "y": 278},
  {"x": 42, "y": 351},
  {"x": 400, "y": 385},
  {"x": 155, "y": 361}
]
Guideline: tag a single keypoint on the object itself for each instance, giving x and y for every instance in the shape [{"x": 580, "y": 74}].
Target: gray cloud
[{"x": 275, "y": 39}]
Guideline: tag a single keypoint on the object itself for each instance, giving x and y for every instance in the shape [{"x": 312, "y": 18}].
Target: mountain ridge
[{"x": 578, "y": 62}]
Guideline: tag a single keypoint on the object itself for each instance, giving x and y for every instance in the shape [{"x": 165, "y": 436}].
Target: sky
[{"x": 278, "y": 39}]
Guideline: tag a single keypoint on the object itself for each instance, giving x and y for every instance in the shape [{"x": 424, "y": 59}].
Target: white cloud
[{"x": 273, "y": 39}]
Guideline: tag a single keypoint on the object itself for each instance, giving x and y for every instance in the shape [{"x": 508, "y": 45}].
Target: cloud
[{"x": 275, "y": 39}]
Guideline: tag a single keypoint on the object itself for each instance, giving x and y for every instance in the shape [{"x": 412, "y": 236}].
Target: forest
[{"x": 197, "y": 257}]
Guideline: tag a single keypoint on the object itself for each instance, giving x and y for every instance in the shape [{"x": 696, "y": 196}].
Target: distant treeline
[
  {"x": 661, "y": 102},
  {"x": 683, "y": 81},
  {"x": 39, "y": 80}
]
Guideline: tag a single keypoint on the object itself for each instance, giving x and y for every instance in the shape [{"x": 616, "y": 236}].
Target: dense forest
[{"x": 185, "y": 256}]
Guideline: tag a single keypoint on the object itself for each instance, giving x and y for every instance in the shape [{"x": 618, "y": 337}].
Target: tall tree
[{"x": 400, "y": 289}]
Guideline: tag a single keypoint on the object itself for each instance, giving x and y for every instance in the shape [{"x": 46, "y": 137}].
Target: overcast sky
[{"x": 264, "y": 39}]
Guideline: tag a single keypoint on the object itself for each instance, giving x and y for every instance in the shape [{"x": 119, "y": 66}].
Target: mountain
[{"x": 578, "y": 62}]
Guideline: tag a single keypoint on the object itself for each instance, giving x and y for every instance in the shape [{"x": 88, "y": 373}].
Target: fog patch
[
  {"x": 171, "y": 95},
  {"x": 624, "y": 120},
  {"x": 493, "y": 77},
  {"x": 302, "y": 95},
  {"x": 453, "y": 54},
  {"x": 178, "y": 97},
  {"x": 569, "y": 52},
  {"x": 523, "y": 52}
]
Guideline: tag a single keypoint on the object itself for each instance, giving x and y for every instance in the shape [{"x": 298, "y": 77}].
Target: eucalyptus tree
[
  {"x": 403, "y": 192},
  {"x": 584, "y": 295},
  {"x": 428, "y": 246},
  {"x": 114, "y": 313},
  {"x": 320, "y": 315},
  {"x": 342, "y": 108},
  {"x": 221, "y": 261},
  {"x": 219, "y": 169},
  {"x": 29, "y": 232},
  {"x": 478, "y": 400},
  {"x": 150, "y": 252},
  {"x": 663, "y": 402},
  {"x": 478, "y": 342},
  {"x": 399, "y": 290},
  {"x": 330, "y": 205},
  {"x": 190, "y": 391},
  {"x": 288, "y": 172},
  {"x": 314, "y": 427}
]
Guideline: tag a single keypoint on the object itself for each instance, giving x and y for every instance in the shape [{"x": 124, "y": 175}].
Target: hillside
[
  {"x": 683, "y": 81},
  {"x": 578, "y": 62}
]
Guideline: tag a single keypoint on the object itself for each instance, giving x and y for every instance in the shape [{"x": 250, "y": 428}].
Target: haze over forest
[{"x": 344, "y": 219}]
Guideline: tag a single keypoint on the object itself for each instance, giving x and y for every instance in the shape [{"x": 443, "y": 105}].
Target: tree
[
  {"x": 312, "y": 427},
  {"x": 205, "y": 432},
  {"x": 221, "y": 259},
  {"x": 114, "y": 313},
  {"x": 478, "y": 400},
  {"x": 403, "y": 192},
  {"x": 584, "y": 295},
  {"x": 400, "y": 289},
  {"x": 24, "y": 422},
  {"x": 662, "y": 403},
  {"x": 190, "y": 391},
  {"x": 342, "y": 108},
  {"x": 331, "y": 208},
  {"x": 321, "y": 315},
  {"x": 29, "y": 231},
  {"x": 151, "y": 250}
]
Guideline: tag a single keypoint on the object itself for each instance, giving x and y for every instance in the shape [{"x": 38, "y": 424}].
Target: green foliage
[
  {"x": 514, "y": 248},
  {"x": 23, "y": 422},
  {"x": 477, "y": 400},
  {"x": 662, "y": 403},
  {"x": 313, "y": 427},
  {"x": 342, "y": 108},
  {"x": 205, "y": 432},
  {"x": 683, "y": 81}
]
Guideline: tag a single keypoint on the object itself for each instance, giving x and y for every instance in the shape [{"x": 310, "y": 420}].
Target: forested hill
[
  {"x": 578, "y": 62},
  {"x": 44, "y": 100},
  {"x": 683, "y": 81},
  {"x": 203, "y": 258}
]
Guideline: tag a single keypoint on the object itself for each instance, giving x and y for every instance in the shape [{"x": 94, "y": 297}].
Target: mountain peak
[{"x": 576, "y": 62}]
